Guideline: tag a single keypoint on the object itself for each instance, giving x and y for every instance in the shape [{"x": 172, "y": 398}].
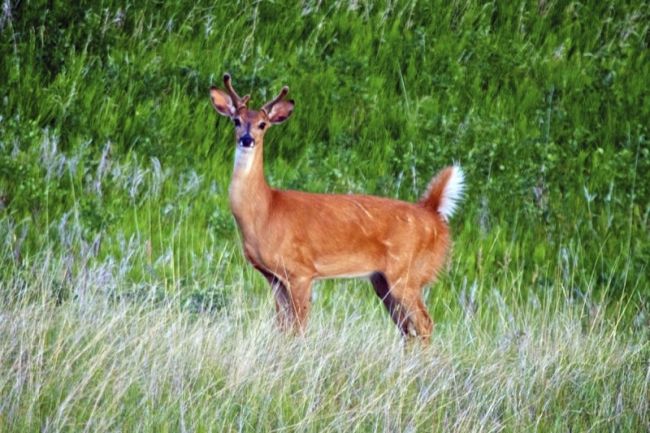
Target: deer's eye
[
  {"x": 262, "y": 125},
  {"x": 236, "y": 122}
]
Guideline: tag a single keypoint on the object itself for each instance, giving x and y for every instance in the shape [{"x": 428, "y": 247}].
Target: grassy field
[{"x": 125, "y": 301}]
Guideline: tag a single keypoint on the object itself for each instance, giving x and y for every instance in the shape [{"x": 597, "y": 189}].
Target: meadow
[{"x": 125, "y": 300}]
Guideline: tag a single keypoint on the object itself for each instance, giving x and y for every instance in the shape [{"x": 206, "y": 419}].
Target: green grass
[{"x": 126, "y": 303}]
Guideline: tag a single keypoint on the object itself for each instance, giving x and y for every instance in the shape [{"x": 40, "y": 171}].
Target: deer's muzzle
[{"x": 246, "y": 141}]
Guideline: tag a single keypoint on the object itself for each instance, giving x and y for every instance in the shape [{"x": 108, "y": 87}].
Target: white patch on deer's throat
[{"x": 243, "y": 159}]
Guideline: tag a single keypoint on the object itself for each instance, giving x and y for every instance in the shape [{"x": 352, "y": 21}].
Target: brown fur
[{"x": 294, "y": 238}]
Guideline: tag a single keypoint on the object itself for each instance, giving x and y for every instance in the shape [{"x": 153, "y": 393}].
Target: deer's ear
[
  {"x": 280, "y": 111},
  {"x": 222, "y": 102}
]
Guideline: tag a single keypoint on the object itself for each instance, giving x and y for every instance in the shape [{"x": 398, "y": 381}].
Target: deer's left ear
[
  {"x": 280, "y": 111},
  {"x": 222, "y": 102}
]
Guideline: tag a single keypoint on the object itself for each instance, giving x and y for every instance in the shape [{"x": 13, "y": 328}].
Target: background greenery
[{"x": 114, "y": 169}]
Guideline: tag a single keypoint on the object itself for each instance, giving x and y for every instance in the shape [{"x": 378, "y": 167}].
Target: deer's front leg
[
  {"x": 292, "y": 295},
  {"x": 284, "y": 312},
  {"x": 300, "y": 293},
  {"x": 283, "y": 307}
]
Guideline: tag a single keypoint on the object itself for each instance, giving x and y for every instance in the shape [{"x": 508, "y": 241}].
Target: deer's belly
[{"x": 346, "y": 266}]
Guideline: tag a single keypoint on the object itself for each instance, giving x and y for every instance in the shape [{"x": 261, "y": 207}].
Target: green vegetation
[{"x": 126, "y": 304}]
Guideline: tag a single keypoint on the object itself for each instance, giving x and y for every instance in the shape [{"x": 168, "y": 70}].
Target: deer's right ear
[{"x": 222, "y": 102}]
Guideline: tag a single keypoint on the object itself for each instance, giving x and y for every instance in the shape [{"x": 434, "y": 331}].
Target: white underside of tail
[{"x": 453, "y": 193}]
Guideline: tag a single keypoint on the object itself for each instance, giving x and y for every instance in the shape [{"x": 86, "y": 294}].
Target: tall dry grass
[{"x": 96, "y": 362}]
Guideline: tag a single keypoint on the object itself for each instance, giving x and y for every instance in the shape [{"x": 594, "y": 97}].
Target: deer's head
[{"x": 250, "y": 125}]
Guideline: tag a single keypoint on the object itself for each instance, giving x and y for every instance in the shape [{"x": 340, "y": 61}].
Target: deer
[{"x": 294, "y": 238}]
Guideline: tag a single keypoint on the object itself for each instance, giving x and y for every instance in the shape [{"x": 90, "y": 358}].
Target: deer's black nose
[{"x": 246, "y": 141}]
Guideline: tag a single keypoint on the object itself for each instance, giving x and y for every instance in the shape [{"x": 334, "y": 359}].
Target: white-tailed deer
[{"x": 294, "y": 237}]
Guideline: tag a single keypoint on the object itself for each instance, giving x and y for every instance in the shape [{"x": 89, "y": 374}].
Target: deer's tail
[{"x": 445, "y": 191}]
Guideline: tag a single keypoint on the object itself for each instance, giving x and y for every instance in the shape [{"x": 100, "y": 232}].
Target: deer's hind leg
[
  {"x": 419, "y": 317},
  {"x": 383, "y": 290},
  {"x": 403, "y": 300}
]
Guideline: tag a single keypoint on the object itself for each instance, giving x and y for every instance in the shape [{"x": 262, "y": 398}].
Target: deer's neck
[{"x": 249, "y": 194}]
